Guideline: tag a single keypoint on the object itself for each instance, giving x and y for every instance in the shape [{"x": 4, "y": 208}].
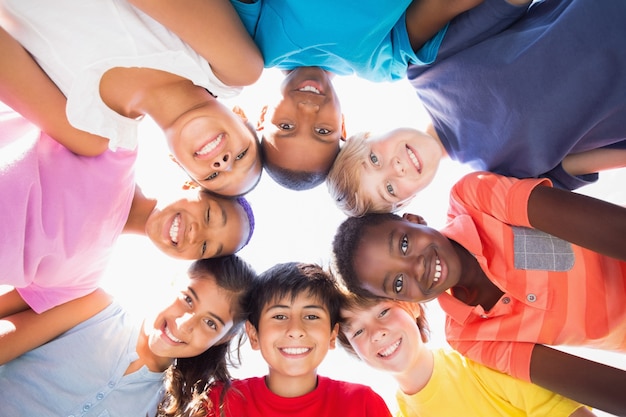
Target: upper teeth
[
  {"x": 211, "y": 145},
  {"x": 437, "y": 269},
  {"x": 295, "y": 351},
  {"x": 389, "y": 350},
  {"x": 171, "y": 336},
  {"x": 414, "y": 159},
  {"x": 174, "y": 229},
  {"x": 309, "y": 88}
]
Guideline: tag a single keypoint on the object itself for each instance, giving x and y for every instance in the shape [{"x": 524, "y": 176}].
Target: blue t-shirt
[
  {"x": 367, "y": 38},
  {"x": 515, "y": 91},
  {"x": 81, "y": 373}
]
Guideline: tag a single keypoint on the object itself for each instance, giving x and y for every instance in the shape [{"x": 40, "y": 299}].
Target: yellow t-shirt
[{"x": 462, "y": 387}]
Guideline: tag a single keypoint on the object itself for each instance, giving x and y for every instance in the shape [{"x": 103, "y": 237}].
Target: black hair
[
  {"x": 347, "y": 241},
  {"x": 291, "y": 280}
]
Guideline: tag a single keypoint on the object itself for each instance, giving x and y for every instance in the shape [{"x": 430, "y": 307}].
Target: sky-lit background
[{"x": 299, "y": 226}]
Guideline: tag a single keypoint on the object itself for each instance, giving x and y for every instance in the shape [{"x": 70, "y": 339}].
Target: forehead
[{"x": 301, "y": 299}]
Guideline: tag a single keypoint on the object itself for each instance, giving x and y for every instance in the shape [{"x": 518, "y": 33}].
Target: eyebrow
[
  {"x": 310, "y": 306},
  {"x": 195, "y": 296}
]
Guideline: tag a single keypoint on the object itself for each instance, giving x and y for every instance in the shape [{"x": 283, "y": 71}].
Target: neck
[
  {"x": 417, "y": 374},
  {"x": 290, "y": 387},
  {"x": 140, "y": 210},
  {"x": 474, "y": 287}
]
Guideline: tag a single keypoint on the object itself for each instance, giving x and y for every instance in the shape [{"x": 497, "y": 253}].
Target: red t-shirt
[{"x": 250, "y": 397}]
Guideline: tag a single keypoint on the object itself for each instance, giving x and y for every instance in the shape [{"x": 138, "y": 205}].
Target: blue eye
[
  {"x": 390, "y": 189},
  {"x": 374, "y": 159}
]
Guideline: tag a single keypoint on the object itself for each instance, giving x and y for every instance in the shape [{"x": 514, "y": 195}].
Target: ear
[
  {"x": 344, "y": 135},
  {"x": 174, "y": 160},
  {"x": 414, "y": 218},
  {"x": 239, "y": 112},
  {"x": 333, "y": 336},
  {"x": 261, "y": 121},
  {"x": 190, "y": 185},
  {"x": 252, "y": 336}
]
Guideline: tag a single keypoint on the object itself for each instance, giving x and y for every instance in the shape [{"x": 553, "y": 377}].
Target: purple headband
[{"x": 246, "y": 207}]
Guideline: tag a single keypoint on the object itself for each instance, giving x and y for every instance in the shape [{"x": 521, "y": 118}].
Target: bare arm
[
  {"x": 27, "y": 330},
  {"x": 582, "y": 412},
  {"x": 585, "y": 221},
  {"x": 26, "y": 88},
  {"x": 595, "y": 160},
  {"x": 213, "y": 29},
  {"x": 592, "y": 383},
  {"x": 11, "y": 302},
  {"x": 424, "y": 18}
]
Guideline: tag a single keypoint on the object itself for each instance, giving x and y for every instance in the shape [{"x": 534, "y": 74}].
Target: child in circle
[
  {"x": 313, "y": 42},
  {"x": 391, "y": 336},
  {"x": 513, "y": 259},
  {"x": 293, "y": 314},
  {"x": 112, "y": 363},
  {"x": 127, "y": 66},
  {"x": 500, "y": 111},
  {"x": 62, "y": 214}
]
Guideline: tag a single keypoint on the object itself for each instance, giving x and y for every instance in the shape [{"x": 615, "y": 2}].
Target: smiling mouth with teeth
[
  {"x": 210, "y": 146},
  {"x": 309, "y": 89},
  {"x": 389, "y": 349},
  {"x": 295, "y": 350},
  {"x": 169, "y": 334},
  {"x": 414, "y": 159},
  {"x": 437, "y": 274},
  {"x": 174, "y": 229}
]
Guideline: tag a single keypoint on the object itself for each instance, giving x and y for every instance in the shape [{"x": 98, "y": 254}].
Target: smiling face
[
  {"x": 197, "y": 319},
  {"x": 405, "y": 260},
  {"x": 294, "y": 336},
  {"x": 198, "y": 226},
  {"x": 385, "y": 336},
  {"x": 398, "y": 164},
  {"x": 302, "y": 131},
  {"x": 216, "y": 148}
]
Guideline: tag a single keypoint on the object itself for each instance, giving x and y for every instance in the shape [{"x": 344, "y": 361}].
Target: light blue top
[
  {"x": 81, "y": 373},
  {"x": 366, "y": 37}
]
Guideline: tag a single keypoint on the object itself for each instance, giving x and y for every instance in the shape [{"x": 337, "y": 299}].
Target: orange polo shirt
[{"x": 555, "y": 293}]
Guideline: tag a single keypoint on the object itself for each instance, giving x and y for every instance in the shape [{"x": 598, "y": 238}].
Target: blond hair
[{"x": 344, "y": 179}]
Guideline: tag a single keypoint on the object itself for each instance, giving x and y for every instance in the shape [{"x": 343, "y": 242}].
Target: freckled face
[
  {"x": 303, "y": 129},
  {"x": 198, "y": 318},
  {"x": 385, "y": 336},
  {"x": 198, "y": 226},
  {"x": 406, "y": 261},
  {"x": 399, "y": 164},
  {"x": 216, "y": 148}
]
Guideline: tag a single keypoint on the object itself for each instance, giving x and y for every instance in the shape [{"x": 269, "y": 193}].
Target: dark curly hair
[
  {"x": 347, "y": 240},
  {"x": 187, "y": 379}
]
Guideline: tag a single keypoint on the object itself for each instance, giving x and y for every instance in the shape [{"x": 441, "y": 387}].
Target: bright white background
[{"x": 299, "y": 226}]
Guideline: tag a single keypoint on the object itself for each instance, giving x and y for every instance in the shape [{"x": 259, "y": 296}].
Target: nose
[
  {"x": 295, "y": 331},
  {"x": 379, "y": 334},
  {"x": 222, "y": 162},
  {"x": 185, "y": 322},
  {"x": 308, "y": 107},
  {"x": 398, "y": 166},
  {"x": 196, "y": 232}
]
